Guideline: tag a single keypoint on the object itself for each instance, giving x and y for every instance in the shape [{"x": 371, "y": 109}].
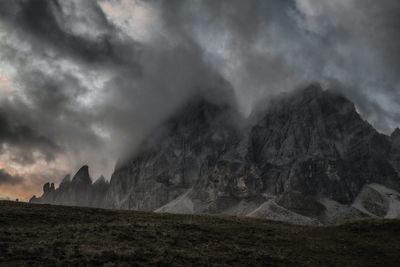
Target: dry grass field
[{"x": 45, "y": 235}]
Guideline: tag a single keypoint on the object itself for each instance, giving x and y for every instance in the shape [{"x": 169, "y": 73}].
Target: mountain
[
  {"x": 176, "y": 157},
  {"x": 308, "y": 158},
  {"x": 80, "y": 191},
  {"x": 315, "y": 142}
]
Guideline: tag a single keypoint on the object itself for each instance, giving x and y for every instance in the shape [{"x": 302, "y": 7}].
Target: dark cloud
[
  {"x": 277, "y": 46},
  {"x": 24, "y": 140},
  {"x": 355, "y": 42},
  {"x": 45, "y": 23},
  {"x": 87, "y": 89},
  {"x": 8, "y": 179},
  {"x": 60, "y": 68}
]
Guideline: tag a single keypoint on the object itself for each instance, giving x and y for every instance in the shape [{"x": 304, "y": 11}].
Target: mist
[{"x": 83, "y": 82}]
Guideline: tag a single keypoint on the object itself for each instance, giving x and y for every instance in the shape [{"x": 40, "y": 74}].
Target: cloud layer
[
  {"x": 83, "y": 81},
  {"x": 6, "y": 178}
]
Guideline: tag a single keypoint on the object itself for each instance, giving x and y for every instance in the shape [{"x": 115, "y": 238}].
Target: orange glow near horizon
[
  {"x": 5, "y": 82},
  {"x": 33, "y": 176},
  {"x": 7, "y": 168},
  {"x": 13, "y": 192}
]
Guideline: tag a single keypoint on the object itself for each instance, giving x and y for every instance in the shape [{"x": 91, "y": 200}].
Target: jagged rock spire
[
  {"x": 82, "y": 176},
  {"x": 396, "y": 134}
]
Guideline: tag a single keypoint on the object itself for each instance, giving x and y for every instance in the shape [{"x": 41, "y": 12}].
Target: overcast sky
[{"x": 82, "y": 82}]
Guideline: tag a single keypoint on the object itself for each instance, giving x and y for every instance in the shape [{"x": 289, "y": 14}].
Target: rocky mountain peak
[
  {"x": 311, "y": 122},
  {"x": 66, "y": 179},
  {"x": 82, "y": 176},
  {"x": 312, "y": 91},
  {"x": 305, "y": 142},
  {"x": 321, "y": 102},
  {"x": 197, "y": 120},
  {"x": 195, "y": 115},
  {"x": 48, "y": 188},
  {"x": 396, "y": 134}
]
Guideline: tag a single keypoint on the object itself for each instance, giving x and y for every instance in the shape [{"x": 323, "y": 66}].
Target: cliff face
[
  {"x": 316, "y": 143},
  {"x": 176, "y": 157},
  {"x": 395, "y": 152},
  {"x": 306, "y": 159}
]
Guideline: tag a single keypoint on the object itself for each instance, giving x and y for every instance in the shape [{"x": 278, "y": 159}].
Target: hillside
[{"x": 33, "y": 235}]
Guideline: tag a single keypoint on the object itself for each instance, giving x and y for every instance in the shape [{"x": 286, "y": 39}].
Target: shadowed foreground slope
[{"x": 52, "y": 235}]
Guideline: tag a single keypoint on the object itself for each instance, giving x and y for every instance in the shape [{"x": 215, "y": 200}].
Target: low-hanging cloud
[{"x": 87, "y": 80}]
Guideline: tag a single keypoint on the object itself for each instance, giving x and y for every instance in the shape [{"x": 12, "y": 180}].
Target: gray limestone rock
[
  {"x": 76, "y": 192},
  {"x": 194, "y": 149},
  {"x": 395, "y": 152},
  {"x": 378, "y": 201},
  {"x": 306, "y": 157},
  {"x": 315, "y": 142}
]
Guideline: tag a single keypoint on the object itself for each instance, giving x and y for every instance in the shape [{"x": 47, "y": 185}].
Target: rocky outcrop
[
  {"x": 80, "y": 191},
  {"x": 301, "y": 204},
  {"x": 190, "y": 151},
  {"x": 395, "y": 136},
  {"x": 395, "y": 152},
  {"x": 271, "y": 211},
  {"x": 378, "y": 201},
  {"x": 306, "y": 159},
  {"x": 315, "y": 142}
]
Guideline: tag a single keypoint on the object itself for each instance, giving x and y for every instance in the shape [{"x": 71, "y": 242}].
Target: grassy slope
[{"x": 50, "y": 235}]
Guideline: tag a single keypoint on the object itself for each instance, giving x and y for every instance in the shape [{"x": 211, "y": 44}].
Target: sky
[{"x": 84, "y": 81}]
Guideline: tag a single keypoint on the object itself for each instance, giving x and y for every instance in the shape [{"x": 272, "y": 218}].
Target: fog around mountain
[{"x": 85, "y": 82}]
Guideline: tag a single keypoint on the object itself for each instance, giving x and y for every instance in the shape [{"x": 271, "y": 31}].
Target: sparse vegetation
[{"x": 37, "y": 235}]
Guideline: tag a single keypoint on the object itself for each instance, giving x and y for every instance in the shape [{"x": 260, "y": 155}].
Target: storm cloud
[
  {"x": 25, "y": 139},
  {"x": 84, "y": 81},
  {"x": 6, "y": 178}
]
